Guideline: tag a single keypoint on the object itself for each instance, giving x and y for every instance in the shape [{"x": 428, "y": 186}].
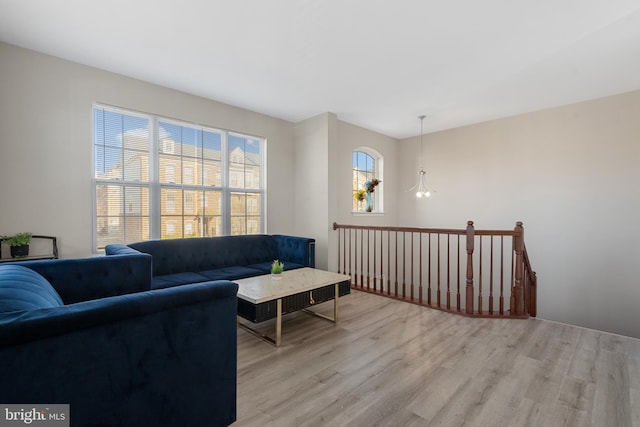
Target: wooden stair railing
[{"x": 424, "y": 266}]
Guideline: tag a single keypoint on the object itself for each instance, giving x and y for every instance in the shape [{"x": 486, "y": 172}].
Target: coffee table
[{"x": 262, "y": 298}]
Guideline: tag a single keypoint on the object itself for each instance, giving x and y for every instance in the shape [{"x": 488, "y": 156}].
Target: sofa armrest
[
  {"x": 19, "y": 327},
  {"x": 299, "y": 250},
  {"x": 82, "y": 279},
  {"x": 163, "y": 357},
  {"x": 120, "y": 249}
]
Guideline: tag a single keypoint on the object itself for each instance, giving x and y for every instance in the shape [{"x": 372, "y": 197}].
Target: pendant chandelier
[{"x": 422, "y": 189}]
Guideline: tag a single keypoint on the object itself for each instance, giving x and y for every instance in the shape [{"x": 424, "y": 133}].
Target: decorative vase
[
  {"x": 19, "y": 251},
  {"x": 275, "y": 276},
  {"x": 368, "y": 206}
]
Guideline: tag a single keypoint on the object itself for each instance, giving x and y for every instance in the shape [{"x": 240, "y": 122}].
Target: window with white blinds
[{"x": 157, "y": 178}]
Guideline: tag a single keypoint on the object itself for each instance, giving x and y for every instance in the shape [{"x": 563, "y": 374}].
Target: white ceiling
[{"x": 375, "y": 63}]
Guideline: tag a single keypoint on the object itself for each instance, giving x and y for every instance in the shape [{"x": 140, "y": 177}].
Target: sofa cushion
[
  {"x": 231, "y": 273},
  {"x": 160, "y": 283},
  {"x": 23, "y": 289},
  {"x": 169, "y": 280}
]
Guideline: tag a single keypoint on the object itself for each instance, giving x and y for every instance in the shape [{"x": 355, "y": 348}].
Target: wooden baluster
[
  {"x": 347, "y": 265},
  {"x": 448, "y": 271},
  {"x": 389, "y": 263},
  {"x": 470, "y": 242},
  {"x": 362, "y": 259},
  {"x": 516, "y": 294},
  {"x": 420, "y": 271},
  {"x": 458, "y": 302},
  {"x": 491, "y": 279},
  {"x": 502, "y": 275},
  {"x": 412, "y": 266},
  {"x": 526, "y": 282},
  {"x": 353, "y": 257},
  {"x": 359, "y": 271},
  {"x": 338, "y": 248},
  {"x": 429, "y": 272},
  {"x": 344, "y": 252},
  {"x": 512, "y": 297},
  {"x": 404, "y": 264},
  {"x": 340, "y": 251},
  {"x": 480, "y": 279},
  {"x": 533, "y": 301},
  {"x": 334, "y": 227},
  {"x": 381, "y": 261},
  {"x": 438, "y": 291},
  {"x": 396, "y": 272},
  {"x": 375, "y": 279},
  {"x": 530, "y": 286},
  {"x": 368, "y": 256}
]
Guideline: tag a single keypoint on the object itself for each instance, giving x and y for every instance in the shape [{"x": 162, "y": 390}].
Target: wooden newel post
[
  {"x": 517, "y": 291},
  {"x": 470, "y": 240}
]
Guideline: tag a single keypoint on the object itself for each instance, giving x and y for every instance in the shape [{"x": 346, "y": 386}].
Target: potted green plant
[
  {"x": 276, "y": 270},
  {"x": 19, "y": 244}
]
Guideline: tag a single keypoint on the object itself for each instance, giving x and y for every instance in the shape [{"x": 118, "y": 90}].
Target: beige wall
[
  {"x": 46, "y": 143},
  {"x": 324, "y": 146},
  {"x": 313, "y": 138},
  {"x": 570, "y": 174}
]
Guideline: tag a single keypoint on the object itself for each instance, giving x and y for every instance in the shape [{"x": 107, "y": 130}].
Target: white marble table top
[{"x": 263, "y": 288}]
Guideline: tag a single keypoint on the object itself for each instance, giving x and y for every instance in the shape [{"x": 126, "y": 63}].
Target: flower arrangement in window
[{"x": 365, "y": 193}]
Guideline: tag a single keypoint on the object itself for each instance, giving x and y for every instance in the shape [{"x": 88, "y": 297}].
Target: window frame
[
  {"x": 378, "y": 167},
  {"x": 155, "y": 186}
]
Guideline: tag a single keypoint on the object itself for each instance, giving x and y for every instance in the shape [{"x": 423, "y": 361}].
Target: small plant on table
[{"x": 276, "y": 269}]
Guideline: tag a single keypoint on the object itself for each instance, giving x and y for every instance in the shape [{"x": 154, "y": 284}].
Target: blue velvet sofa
[
  {"x": 92, "y": 334},
  {"x": 200, "y": 259}
]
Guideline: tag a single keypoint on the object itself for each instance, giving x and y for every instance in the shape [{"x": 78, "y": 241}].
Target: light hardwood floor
[{"x": 389, "y": 363}]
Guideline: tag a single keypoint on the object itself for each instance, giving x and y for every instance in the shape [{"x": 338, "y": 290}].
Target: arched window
[{"x": 366, "y": 167}]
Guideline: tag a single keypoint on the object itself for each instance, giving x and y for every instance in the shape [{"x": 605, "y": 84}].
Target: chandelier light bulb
[{"x": 423, "y": 190}]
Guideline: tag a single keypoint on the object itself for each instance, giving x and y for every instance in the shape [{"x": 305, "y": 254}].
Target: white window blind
[{"x": 121, "y": 148}]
